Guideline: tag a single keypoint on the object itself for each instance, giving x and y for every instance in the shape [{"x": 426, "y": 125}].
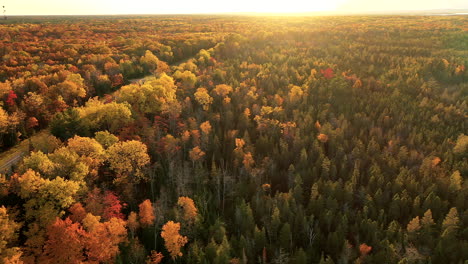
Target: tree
[
  {"x": 364, "y": 249},
  {"x": 146, "y": 213},
  {"x": 45, "y": 199},
  {"x": 295, "y": 94},
  {"x": 327, "y": 73},
  {"x": 222, "y": 90},
  {"x": 189, "y": 209},
  {"x": 450, "y": 223},
  {"x": 187, "y": 78},
  {"x": 67, "y": 164},
  {"x": 203, "y": 98},
  {"x": 46, "y": 143},
  {"x": 149, "y": 62},
  {"x": 86, "y": 147},
  {"x": 461, "y": 146},
  {"x": 172, "y": 239},
  {"x": 98, "y": 116},
  {"x": 413, "y": 225},
  {"x": 196, "y": 154},
  {"x": 78, "y": 212},
  {"x": 65, "y": 242},
  {"x": 151, "y": 97},
  {"x": 456, "y": 182},
  {"x": 38, "y": 162},
  {"x": 112, "y": 206},
  {"x": 128, "y": 159},
  {"x": 71, "y": 88},
  {"x": 11, "y": 98},
  {"x": 106, "y": 139},
  {"x": 155, "y": 257},
  {"x": 67, "y": 124},
  {"x": 8, "y": 235},
  {"x": 132, "y": 223},
  {"x": 103, "y": 239},
  {"x": 322, "y": 137}
]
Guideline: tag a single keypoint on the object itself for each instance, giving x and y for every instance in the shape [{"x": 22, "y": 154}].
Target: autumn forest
[{"x": 234, "y": 139}]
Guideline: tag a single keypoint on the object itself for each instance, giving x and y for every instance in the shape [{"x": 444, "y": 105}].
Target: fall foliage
[
  {"x": 172, "y": 239},
  {"x": 146, "y": 213},
  {"x": 233, "y": 139},
  {"x": 189, "y": 209}
]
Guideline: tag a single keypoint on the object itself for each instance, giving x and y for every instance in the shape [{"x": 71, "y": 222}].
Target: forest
[{"x": 234, "y": 139}]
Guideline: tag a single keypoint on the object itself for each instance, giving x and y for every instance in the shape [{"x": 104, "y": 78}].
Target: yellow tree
[
  {"x": 172, "y": 239},
  {"x": 203, "y": 98},
  {"x": 98, "y": 115},
  {"x": 8, "y": 229},
  {"x": 149, "y": 61},
  {"x": 71, "y": 88},
  {"x": 196, "y": 154},
  {"x": 295, "y": 94},
  {"x": 153, "y": 96},
  {"x": 86, "y": 147},
  {"x": 44, "y": 201},
  {"x": 89, "y": 150},
  {"x": 128, "y": 159},
  {"x": 187, "y": 79},
  {"x": 222, "y": 90},
  {"x": 146, "y": 213},
  {"x": 189, "y": 209}
]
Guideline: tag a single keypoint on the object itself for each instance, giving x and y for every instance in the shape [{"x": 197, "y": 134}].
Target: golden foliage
[
  {"x": 155, "y": 257},
  {"x": 132, "y": 222},
  {"x": 111, "y": 116},
  {"x": 357, "y": 84},
  {"x": 189, "y": 209},
  {"x": 87, "y": 148},
  {"x": 172, "y": 239},
  {"x": 103, "y": 240},
  {"x": 461, "y": 146},
  {"x": 295, "y": 93},
  {"x": 146, "y": 213},
  {"x": 203, "y": 98},
  {"x": 128, "y": 158},
  {"x": 205, "y": 127},
  {"x": 196, "y": 154},
  {"x": 8, "y": 229},
  {"x": 414, "y": 225},
  {"x": 248, "y": 160},
  {"x": 239, "y": 143},
  {"x": 222, "y": 90},
  {"x": 78, "y": 213}
]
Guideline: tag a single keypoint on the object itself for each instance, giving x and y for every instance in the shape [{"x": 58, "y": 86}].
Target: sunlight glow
[
  {"x": 98, "y": 7},
  {"x": 55, "y": 7}
]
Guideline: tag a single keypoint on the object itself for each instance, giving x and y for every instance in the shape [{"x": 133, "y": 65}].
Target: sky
[{"x": 97, "y": 7}]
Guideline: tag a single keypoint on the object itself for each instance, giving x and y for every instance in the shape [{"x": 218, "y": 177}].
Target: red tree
[
  {"x": 328, "y": 73},
  {"x": 11, "y": 98},
  {"x": 112, "y": 206}
]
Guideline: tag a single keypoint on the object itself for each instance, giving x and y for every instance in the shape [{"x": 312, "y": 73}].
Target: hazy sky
[{"x": 78, "y": 7}]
